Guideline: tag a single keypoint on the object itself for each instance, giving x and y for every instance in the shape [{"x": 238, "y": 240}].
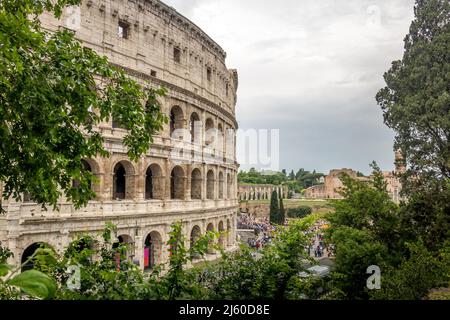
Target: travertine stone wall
[
  {"x": 248, "y": 192},
  {"x": 181, "y": 178},
  {"x": 333, "y": 184}
]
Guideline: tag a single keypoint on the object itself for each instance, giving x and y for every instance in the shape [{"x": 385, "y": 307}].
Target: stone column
[
  {"x": 204, "y": 183},
  {"x": 188, "y": 191},
  {"x": 166, "y": 168},
  {"x": 140, "y": 179}
]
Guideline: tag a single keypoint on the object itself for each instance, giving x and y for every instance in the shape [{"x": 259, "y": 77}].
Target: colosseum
[{"x": 190, "y": 172}]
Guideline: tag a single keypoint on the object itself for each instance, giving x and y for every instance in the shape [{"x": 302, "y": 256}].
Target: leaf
[
  {"x": 35, "y": 283},
  {"x": 46, "y": 256},
  {"x": 4, "y": 269}
]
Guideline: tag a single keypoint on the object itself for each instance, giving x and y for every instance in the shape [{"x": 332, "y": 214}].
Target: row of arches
[
  {"x": 152, "y": 249},
  {"x": 213, "y": 136},
  {"x": 155, "y": 183},
  {"x": 261, "y": 193}
]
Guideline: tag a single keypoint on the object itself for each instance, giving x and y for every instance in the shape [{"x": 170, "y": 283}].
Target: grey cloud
[{"x": 311, "y": 68}]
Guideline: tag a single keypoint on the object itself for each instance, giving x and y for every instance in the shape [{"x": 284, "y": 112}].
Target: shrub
[{"x": 299, "y": 212}]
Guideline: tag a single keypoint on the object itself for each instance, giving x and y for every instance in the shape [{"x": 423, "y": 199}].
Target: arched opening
[
  {"x": 196, "y": 185},
  {"x": 119, "y": 182},
  {"x": 176, "y": 123},
  {"x": 154, "y": 184},
  {"x": 149, "y": 184},
  {"x": 26, "y": 262},
  {"x": 195, "y": 235},
  {"x": 177, "y": 184},
  {"x": 194, "y": 128},
  {"x": 221, "y": 185},
  {"x": 221, "y": 235},
  {"x": 229, "y": 184},
  {"x": 152, "y": 250},
  {"x": 210, "y": 228},
  {"x": 210, "y": 185},
  {"x": 86, "y": 168},
  {"x": 209, "y": 132}
]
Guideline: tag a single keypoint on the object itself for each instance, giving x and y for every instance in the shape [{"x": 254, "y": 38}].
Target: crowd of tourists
[
  {"x": 263, "y": 231},
  {"x": 317, "y": 247},
  {"x": 262, "y": 227}
]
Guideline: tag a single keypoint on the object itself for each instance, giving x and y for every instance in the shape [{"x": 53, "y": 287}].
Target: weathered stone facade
[
  {"x": 249, "y": 192},
  {"x": 332, "y": 184},
  {"x": 188, "y": 175}
]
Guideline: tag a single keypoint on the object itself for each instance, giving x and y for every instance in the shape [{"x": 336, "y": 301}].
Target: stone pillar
[
  {"x": 140, "y": 178},
  {"x": 167, "y": 169},
  {"x": 188, "y": 191},
  {"x": 159, "y": 187},
  {"x": 139, "y": 248},
  {"x": 204, "y": 182},
  {"x": 186, "y": 188}
]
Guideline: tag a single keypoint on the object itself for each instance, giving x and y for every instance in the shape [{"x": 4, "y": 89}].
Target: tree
[
  {"x": 416, "y": 99},
  {"x": 364, "y": 230},
  {"x": 274, "y": 208},
  {"x": 299, "y": 174},
  {"x": 299, "y": 212},
  {"x": 53, "y": 94},
  {"x": 292, "y": 175},
  {"x": 416, "y": 104},
  {"x": 273, "y": 275},
  {"x": 282, "y": 214}
]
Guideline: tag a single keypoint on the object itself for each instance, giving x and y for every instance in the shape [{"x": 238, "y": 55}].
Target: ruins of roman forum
[{"x": 156, "y": 46}]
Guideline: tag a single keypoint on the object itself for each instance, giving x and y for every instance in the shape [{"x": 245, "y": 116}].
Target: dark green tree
[
  {"x": 282, "y": 214},
  {"x": 416, "y": 99},
  {"x": 292, "y": 176},
  {"x": 416, "y": 105},
  {"x": 53, "y": 94},
  {"x": 274, "y": 208}
]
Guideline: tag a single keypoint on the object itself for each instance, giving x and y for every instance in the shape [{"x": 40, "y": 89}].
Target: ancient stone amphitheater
[{"x": 189, "y": 174}]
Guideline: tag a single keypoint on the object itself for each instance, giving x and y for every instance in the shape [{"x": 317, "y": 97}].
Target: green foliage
[
  {"x": 282, "y": 213},
  {"x": 295, "y": 182},
  {"x": 356, "y": 250},
  {"x": 299, "y": 212},
  {"x": 255, "y": 177},
  {"x": 415, "y": 276},
  {"x": 274, "y": 208},
  {"x": 35, "y": 284},
  {"x": 416, "y": 104},
  {"x": 101, "y": 278},
  {"x": 32, "y": 284},
  {"x": 416, "y": 99},
  {"x": 5, "y": 254},
  {"x": 364, "y": 231},
  {"x": 54, "y": 92},
  {"x": 367, "y": 228},
  {"x": 426, "y": 215},
  {"x": 272, "y": 274}
]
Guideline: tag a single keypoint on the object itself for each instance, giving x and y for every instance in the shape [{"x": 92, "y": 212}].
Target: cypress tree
[
  {"x": 282, "y": 214},
  {"x": 274, "y": 209}
]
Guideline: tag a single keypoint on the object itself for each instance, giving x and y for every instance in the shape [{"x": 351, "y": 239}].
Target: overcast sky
[{"x": 311, "y": 69}]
